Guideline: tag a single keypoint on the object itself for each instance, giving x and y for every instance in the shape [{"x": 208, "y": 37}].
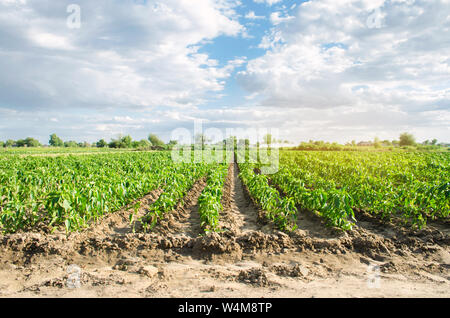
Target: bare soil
[{"x": 248, "y": 258}]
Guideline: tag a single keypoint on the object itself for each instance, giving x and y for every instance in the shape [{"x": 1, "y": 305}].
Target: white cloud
[
  {"x": 124, "y": 54},
  {"x": 326, "y": 74},
  {"x": 238, "y": 62},
  {"x": 277, "y": 18},
  {"x": 296, "y": 124},
  {"x": 49, "y": 40},
  {"x": 329, "y": 58},
  {"x": 12, "y": 2}
]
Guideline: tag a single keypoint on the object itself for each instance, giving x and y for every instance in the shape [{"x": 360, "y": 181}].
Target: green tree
[
  {"x": 407, "y": 140},
  {"x": 2, "y": 144},
  {"x": 114, "y": 143},
  {"x": 144, "y": 143},
  {"x": 126, "y": 141},
  {"x": 28, "y": 142},
  {"x": 10, "y": 143},
  {"x": 172, "y": 144},
  {"x": 31, "y": 142},
  {"x": 70, "y": 144},
  {"x": 141, "y": 144},
  {"x": 122, "y": 142},
  {"x": 434, "y": 142},
  {"x": 101, "y": 143},
  {"x": 55, "y": 141},
  {"x": 155, "y": 140},
  {"x": 135, "y": 144},
  {"x": 319, "y": 143},
  {"x": 20, "y": 143}
]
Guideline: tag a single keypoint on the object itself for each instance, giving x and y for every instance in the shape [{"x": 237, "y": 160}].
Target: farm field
[
  {"x": 55, "y": 151},
  {"x": 139, "y": 224}
]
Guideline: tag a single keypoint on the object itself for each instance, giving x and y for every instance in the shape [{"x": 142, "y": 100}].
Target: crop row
[
  {"x": 281, "y": 211},
  {"x": 210, "y": 204},
  {"x": 74, "y": 191},
  {"x": 176, "y": 182},
  {"x": 407, "y": 185},
  {"x": 334, "y": 205}
]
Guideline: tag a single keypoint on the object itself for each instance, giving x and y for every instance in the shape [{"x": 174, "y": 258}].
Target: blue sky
[{"x": 320, "y": 69}]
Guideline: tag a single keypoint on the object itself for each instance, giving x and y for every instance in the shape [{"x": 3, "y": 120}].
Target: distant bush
[
  {"x": 55, "y": 141},
  {"x": 70, "y": 144},
  {"x": 142, "y": 145},
  {"x": 407, "y": 140},
  {"x": 101, "y": 143},
  {"x": 122, "y": 142},
  {"x": 324, "y": 146},
  {"x": 28, "y": 142}
]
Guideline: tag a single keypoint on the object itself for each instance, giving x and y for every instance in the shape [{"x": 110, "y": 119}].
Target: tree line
[
  {"x": 152, "y": 142},
  {"x": 155, "y": 143},
  {"x": 405, "y": 141}
]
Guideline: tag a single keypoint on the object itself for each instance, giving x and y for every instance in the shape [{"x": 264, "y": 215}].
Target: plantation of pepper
[{"x": 75, "y": 191}]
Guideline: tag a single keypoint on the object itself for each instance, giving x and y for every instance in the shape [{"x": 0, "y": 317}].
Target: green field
[
  {"x": 58, "y": 151},
  {"x": 74, "y": 191}
]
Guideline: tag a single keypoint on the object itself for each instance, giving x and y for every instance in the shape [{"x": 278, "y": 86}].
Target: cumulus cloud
[
  {"x": 366, "y": 55},
  {"x": 329, "y": 69},
  {"x": 340, "y": 124},
  {"x": 277, "y": 18},
  {"x": 125, "y": 54}
]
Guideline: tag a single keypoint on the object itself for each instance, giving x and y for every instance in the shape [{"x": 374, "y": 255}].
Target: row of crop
[
  {"x": 281, "y": 211},
  {"x": 210, "y": 204},
  {"x": 413, "y": 196},
  {"x": 412, "y": 199},
  {"x": 77, "y": 191},
  {"x": 74, "y": 191},
  {"x": 176, "y": 182},
  {"x": 335, "y": 206},
  {"x": 398, "y": 168}
]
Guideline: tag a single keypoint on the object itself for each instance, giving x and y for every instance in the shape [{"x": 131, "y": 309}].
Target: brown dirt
[
  {"x": 240, "y": 214},
  {"x": 118, "y": 223},
  {"x": 248, "y": 258},
  {"x": 184, "y": 220}
]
